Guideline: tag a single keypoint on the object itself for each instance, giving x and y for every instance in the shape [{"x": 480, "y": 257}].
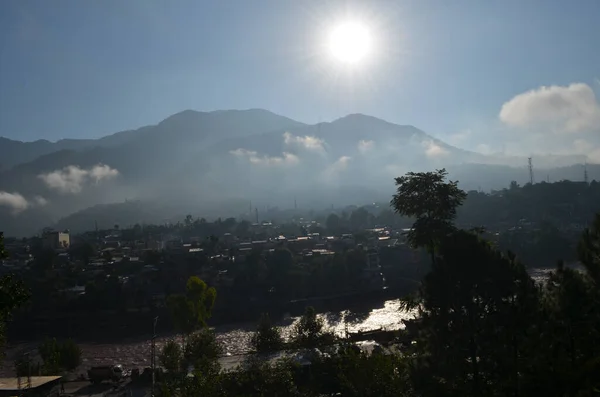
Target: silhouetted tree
[
  {"x": 308, "y": 331},
  {"x": 267, "y": 336},
  {"x": 202, "y": 350},
  {"x": 171, "y": 357},
  {"x": 191, "y": 310},
  {"x": 13, "y": 294},
  {"x": 431, "y": 202}
]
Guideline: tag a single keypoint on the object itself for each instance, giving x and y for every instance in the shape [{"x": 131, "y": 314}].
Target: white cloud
[
  {"x": 39, "y": 201},
  {"x": 68, "y": 180},
  {"x": 242, "y": 152},
  {"x": 17, "y": 203},
  {"x": 459, "y": 137},
  {"x": 594, "y": 156},
  {"x": 102, "y": 171},
  {"x": 333, "y": 170},
  {"x": 364, "y": 146},
  {"x": 73, "y": 178},
  {"x": 395, "y": 170},
  {"x": 342, "y": 163},
  {"x": 582, "y": 146},
  {"x": 433, "y": 149},
  {"x": 254, "y": 158},
  {"x": 307, "y": 142},
  {"x": 285, "y": 159},
  {"x": 570, "y": 109},
  {"x": 483, "y": 148}
]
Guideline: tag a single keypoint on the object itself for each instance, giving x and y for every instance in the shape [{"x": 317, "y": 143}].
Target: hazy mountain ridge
[{"x": 200, "y": 160}]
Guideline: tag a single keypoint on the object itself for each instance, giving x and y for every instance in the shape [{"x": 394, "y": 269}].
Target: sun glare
[{"x": 350, "y": 42}]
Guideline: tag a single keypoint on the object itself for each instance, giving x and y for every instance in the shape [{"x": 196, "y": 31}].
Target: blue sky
[{"x": 84, "y": 69}]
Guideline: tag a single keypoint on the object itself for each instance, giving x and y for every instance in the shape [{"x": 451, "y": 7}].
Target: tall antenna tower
[
  {"x": 256, "y": 210},
  {"x": 295, "y": 204},
  {"x": 530, "y": 162},
  {"x": 585, "y": 173}
]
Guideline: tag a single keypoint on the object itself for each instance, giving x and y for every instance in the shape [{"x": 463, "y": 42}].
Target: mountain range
[{"x": 217, "y": 163}]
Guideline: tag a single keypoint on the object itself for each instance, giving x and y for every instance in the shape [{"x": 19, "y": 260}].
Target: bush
[
  {"x": 59, "y": 356},
  {"x": 69, "y": 355},
  {"x": 202, "y": 350},
  {"x": 171, "y": 357},
  {"x": 267, "y": 337},
  {"x": 308, "y": 332}
]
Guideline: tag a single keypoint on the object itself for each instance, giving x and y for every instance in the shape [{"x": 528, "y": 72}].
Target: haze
[{"x": 432, "y": 84}]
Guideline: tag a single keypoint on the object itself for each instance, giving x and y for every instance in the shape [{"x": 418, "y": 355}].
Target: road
[{"x": 85, "y": 388}]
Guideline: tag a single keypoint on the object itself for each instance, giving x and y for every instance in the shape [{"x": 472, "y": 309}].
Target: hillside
[{"x": 217, "y": 162}]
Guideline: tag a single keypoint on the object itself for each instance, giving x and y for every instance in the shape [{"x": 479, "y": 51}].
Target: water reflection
[{"x": 235, "y": 338}]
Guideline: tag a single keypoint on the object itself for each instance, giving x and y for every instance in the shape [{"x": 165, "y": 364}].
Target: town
[
  {"x": 123, "y": 275},
  {"x": 111, "y": 285},
  {"x": 263, "y": 265}
]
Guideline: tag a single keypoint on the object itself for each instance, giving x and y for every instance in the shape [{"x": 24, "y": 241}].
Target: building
[
  {"x": 34, "y": 386},
  {"x": 56, "y": 240}
]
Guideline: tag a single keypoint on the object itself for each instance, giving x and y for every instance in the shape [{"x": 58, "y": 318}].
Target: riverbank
[
  {"x": 134, "y": 352},
  {"x": 116, "y": 326},
  {"x": 133, "y": 349}
]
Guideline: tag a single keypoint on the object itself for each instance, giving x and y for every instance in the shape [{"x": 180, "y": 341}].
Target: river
[{"x": 235, "y": 338}]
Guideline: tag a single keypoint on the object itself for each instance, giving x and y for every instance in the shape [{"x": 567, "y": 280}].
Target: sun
[{"x": 350, "y": 42}]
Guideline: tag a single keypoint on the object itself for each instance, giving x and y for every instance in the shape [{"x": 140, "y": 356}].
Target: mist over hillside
[{"x": 217, "y": 163}]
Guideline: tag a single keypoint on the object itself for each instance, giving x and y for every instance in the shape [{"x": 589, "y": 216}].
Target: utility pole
[
  {"x": 153, "y": 358},
  {"x": 529, "y": 160},
  {"x": 23, "y": 390},
  {"x": 28, "y": 370}
]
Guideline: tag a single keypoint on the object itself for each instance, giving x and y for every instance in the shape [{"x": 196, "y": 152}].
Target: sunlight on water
[
  {"x": 235, "y": 338},
  {"x": 389, "y": 317}
]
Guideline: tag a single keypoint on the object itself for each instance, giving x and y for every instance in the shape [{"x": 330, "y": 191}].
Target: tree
[
  {"x": 82, "y": 250},
  {"x": 267, "y": 337},
  {"x": 589, "y": 250},
  {"x": 242, "y": 229},
  {"x": 475, "y": 310},
  {"x": 13, "y": 294},
  {"x": 350, "y": 372},
  {"x": 171, "y": 357},
  {"x": 308, "y": 331},
  {"x": 70, "y": 355},
  {"x": 57, "y": 356},
  {"x": 3, "y": 253},
  {"x": 360, "y": 218},
  {"x": 431, "y": 201},
  {"x": 202, "y": 350},
  {"x": 570, "y": 331},
  {"x": 333, "y": 223},
  {"x": 206, "y": 384},
  {"x": 50, "y": 353},
  {"x": 279, "y": 262},
  {"x": 192, "y": 309},
  {"x": 260, "y": 378}
]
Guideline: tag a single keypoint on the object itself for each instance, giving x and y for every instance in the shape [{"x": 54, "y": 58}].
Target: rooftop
[{"x": 9, "y": 384}]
